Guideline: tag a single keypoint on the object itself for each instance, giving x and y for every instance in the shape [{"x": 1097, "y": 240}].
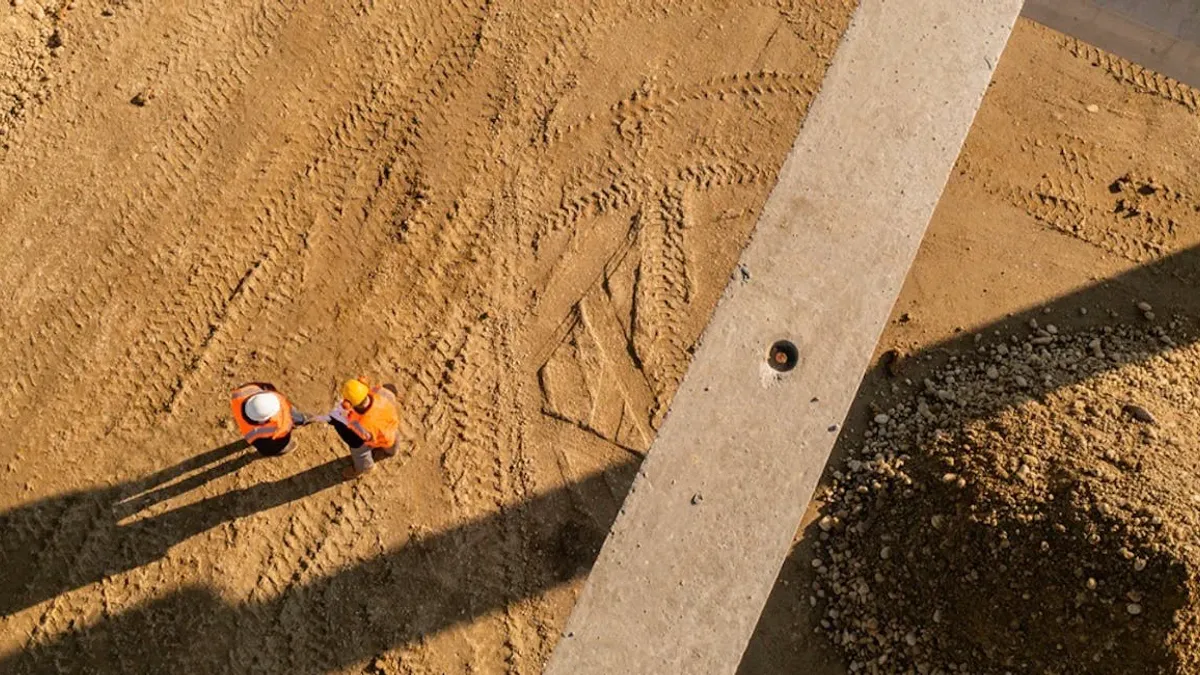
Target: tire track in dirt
[
  {"x": 364, "y": 494},
  {"x": 412, "y": 179},
  {"x": 1128, "y": 72},
  {"x": 85, "y": 306},
  {"x": 235, "y": 294},
  {"x": 1082, "y": 195}
]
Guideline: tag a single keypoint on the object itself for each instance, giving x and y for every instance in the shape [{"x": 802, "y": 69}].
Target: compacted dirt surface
[{"x": 522, "y": 214}]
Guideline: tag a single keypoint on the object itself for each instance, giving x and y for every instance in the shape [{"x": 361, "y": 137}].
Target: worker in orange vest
[
  {"x": 266, "y": 418},
  {"x": 368, "y": 420}
]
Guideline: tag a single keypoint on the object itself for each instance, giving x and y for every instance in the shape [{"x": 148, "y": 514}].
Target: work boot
[
  {"x": 350, "y": 473},
  {"x": 380, "y": 454}
]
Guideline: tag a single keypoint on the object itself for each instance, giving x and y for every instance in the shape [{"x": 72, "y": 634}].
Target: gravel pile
[{"x": 1034, "y": 508}]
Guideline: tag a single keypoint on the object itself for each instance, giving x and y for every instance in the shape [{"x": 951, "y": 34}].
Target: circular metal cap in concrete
[{"x": 783, "y": 356}]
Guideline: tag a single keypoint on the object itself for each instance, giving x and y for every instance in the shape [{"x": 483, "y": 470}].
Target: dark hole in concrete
[{"x": 783, "y": 356}]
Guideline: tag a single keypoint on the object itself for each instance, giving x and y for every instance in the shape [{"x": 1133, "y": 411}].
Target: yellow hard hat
[{"x": 355, "y": 392}]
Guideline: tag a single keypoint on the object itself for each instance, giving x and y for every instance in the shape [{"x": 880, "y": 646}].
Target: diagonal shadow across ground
[
  {"x": 419, "y": 589},
  {"x": 55, "y": 545},
  {"x": 426, "y": 586}
]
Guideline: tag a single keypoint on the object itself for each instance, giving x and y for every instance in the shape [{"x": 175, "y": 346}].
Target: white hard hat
[{"x": 262, "y": 407}]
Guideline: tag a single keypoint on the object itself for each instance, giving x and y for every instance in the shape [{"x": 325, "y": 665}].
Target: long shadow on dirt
[
  {"x": 62, "y": 543},
  {"x": 431, "y": 583},
  {"x": 784, "y": 639},
  {"x": 422, "y": 588}
]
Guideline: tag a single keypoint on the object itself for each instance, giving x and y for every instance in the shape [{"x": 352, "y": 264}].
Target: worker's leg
[
  {"x": 274, "y": 447},
  {"x": 362, "y": 460},
  {"x": 379, "y": 454}
]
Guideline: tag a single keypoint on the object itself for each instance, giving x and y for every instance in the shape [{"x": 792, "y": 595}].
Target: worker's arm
[
  {"x": 338, "y": 416},
  {"x": 360, "y": 430}
]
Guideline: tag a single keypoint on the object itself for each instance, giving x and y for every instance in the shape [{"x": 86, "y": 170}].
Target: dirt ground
[{"x": 522, "y": 213}]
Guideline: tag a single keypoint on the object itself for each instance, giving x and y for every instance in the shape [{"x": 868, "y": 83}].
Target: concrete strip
[
  {"x": 1162, "y": 35},
  {"x": 691, "y": 559}
]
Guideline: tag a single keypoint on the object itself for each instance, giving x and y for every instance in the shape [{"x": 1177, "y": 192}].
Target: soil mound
[
  {"x": 1032, "y": 509},
  {"x": 28, "y": 39}
]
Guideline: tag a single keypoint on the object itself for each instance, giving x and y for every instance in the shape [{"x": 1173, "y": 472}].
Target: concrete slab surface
[
  {"x": 691, "y": 559},
  {"x": 1162, "y": 35}
]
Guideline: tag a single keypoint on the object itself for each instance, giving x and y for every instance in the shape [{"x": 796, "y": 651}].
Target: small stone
[
  {"x": 1083, "y": 311},
  {"x": 697, "y": 498},
  {"x": 1139, "y": 564},
  {"x": 1042, "y": 340},
  {"x": 911, "y": 639},
  {"x": 885, "y": 553},
  {"x": 1051, "y": 329},
  {"x": 1145, "y": 306},
  {"x": 1139, "y": 413},
  {"x": 1091, "y": 584},
  {"x": 1020, "y": 381},
  {"x": 1149, "y": 316},
  {"x": 1033, "y": 324},
  {"x": 881, "y": 419},
  {"x": 993, "y": 373},
  {"x": 826, "y": 523},
  {"x": 140, "y": 99},
  {"x": 1093, "y": 108},
  {"x": 1133, "y": 608}
]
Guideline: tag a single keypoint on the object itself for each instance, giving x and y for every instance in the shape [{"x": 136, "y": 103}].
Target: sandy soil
[{"x": 522, "y": 213}]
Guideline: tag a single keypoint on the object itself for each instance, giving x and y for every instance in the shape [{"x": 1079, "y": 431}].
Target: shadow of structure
[
  {"x": 56, "y": 545},
  {"x": 429, "y": 584},
  {"x": 423, "y": 587},
  {"x": 785, "y": 639}
]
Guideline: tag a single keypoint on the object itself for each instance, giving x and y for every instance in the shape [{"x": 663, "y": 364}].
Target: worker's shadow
[
  {"x": 325, "y": 619},
  {"x": 65, "y": 542},
  {"x": 158, "y": 488}
]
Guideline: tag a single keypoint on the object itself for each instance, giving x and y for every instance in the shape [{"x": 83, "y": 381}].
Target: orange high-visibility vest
[
  {"x": 379, "y": 426},
  {"x": 277, "y": 427}
]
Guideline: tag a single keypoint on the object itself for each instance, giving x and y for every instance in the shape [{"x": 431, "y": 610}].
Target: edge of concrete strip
[
  {"x": 1162, "y": 35},
  {"x": 688, "y": 565}
]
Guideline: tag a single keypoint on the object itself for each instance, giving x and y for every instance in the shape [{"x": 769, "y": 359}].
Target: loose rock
[{"x": 1056, "y": 491}]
